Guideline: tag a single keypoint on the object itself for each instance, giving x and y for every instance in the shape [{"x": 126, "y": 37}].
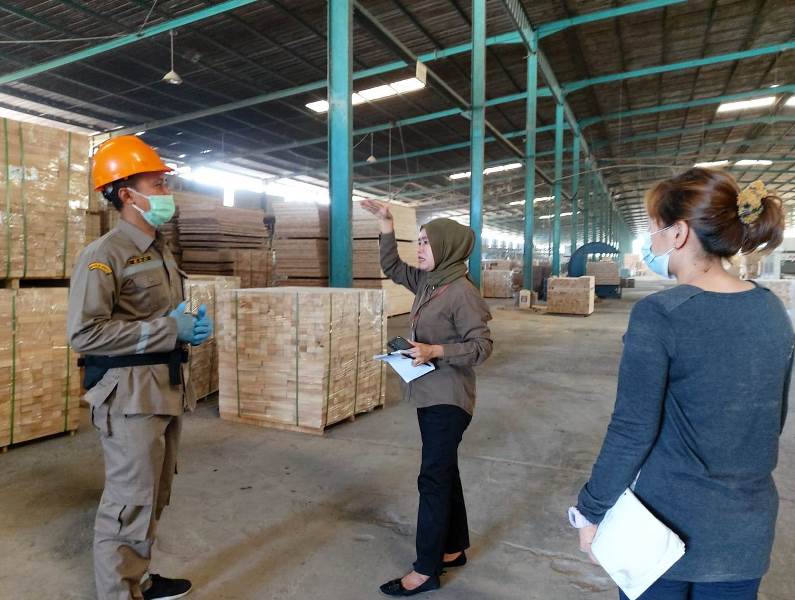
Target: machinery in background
[{"x": 578, "y": 266}]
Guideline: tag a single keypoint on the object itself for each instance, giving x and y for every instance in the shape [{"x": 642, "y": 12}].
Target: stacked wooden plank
[
  {"x": 367, "y": 271},
  {"x": 300, "y": 358},
  {"x": 251, "y": 265},
  {"x": 571, "y": 295},
  {"x": 301, "y": 248},
  {"x": 39, "y": 381},
  {"x": 606, "y": 273},
  {"x": 497, "y": 283},
  {"x": 44, "y": 183},
  {"x": 399, "y": 299},
  {"x": 203, "y": 365},
  {"x": 497, "y": 265}
]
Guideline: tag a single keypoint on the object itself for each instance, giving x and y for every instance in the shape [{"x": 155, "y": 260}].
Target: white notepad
[
  {"x": 403, "y": 366},
  {"x": 634, "y": 547}
]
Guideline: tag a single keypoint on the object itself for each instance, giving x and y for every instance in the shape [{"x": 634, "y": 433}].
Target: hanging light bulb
[
  {"x": 371, "y": 159},
  {"x": 172, "y": 76}
]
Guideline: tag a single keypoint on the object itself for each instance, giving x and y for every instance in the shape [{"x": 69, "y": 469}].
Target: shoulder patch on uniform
[
  {"x": 100, "y": 266},
  {"x": 137, "y": 260}
]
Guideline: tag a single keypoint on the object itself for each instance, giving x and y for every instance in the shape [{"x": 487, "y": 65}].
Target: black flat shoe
[
  {"x": 395, "y": 587},
  {"x": 458, "y": 562}
]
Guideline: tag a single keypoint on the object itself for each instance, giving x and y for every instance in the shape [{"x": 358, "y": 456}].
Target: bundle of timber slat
[
  {"x": 367, "y": 258},
  {"x": 39, "y": 381},
  {"x": 497, "y": 283},
  {"x": 203, "y": 365},
  {"x": 251, "y": 265},
  {"x": 302, "y": 252},
  {"x": 606, "y": 273},
  {"x": 571, "y": 295},
  {"x": 208, "y": 224},
  {"x": 44, "y": 180},
  {"x": 300, "y": 359},
  {"x": 398, "y": 298}
]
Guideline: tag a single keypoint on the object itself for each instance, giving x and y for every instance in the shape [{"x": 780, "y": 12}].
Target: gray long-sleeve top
[
  {"x": 456, "y": 318},
  {"x": 702, "y": 400}
]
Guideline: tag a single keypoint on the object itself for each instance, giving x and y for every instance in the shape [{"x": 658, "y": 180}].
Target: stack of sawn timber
[
  {"x": 300, "y": 359},
  {"x": 221, "y": 240},
  {"x": 39, "y": 379},
  {"x": 44, "y": 184},
  {"x": 301, "y": 249},
  {"x": 203, "y": 365}
]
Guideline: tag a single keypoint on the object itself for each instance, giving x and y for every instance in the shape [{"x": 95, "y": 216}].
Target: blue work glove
[
  {"x": 185, "y": 323},
  {"x": 203, "y": 327}
]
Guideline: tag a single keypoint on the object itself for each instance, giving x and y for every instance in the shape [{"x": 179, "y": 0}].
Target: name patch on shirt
[
  {"x": 137, "y": 260},
  {"x": 99, "y": 266}
]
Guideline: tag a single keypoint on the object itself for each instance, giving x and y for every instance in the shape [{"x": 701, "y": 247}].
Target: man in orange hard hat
[{"x": 127, "y": 317}]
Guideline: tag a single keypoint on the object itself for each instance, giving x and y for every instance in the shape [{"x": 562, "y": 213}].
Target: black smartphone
[{"x": 398, "y": 343}]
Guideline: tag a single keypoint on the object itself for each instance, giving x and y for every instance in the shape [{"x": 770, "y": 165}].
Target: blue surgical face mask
[
  {"x": 161, "y": 208},
  {"x": 658, "y": 264}
]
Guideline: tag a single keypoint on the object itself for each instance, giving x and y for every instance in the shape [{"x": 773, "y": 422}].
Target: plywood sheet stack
[
  {"x": 605, "y": 273},
  {"x": 497, "y": 283},
  {"x": 251, "y": 265},
  {"x": 498, "y": 265},
  {"x": 300, "y": 358},
  {"x": 571, "y": 295},
  {"x": 203, "y": 365},
  {"x": 39, "y": 381},
  {"x": 44, "y": 182}
]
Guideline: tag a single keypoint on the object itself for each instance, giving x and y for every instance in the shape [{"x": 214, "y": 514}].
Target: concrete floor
[{"x": 260, "y": 514}]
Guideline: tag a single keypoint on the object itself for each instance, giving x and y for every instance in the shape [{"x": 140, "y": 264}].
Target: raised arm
[{"x": 391, "y": 264}]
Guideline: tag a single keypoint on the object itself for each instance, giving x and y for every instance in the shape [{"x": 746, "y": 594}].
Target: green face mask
[{"x": 161, "y": 208}]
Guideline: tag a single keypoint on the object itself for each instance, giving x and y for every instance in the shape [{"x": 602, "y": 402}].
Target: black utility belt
[{"x": 97, "y": 366}]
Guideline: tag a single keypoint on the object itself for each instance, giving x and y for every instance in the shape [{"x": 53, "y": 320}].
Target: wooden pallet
[
  {"x": 231, "y": 416},
  {"x": 16, "y": 283}
]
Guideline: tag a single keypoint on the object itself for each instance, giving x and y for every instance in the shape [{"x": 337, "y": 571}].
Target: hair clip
[{"x": 749, "y": 202}]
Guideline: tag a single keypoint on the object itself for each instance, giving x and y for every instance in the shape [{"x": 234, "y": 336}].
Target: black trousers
[{"x": 442, "y": 521}]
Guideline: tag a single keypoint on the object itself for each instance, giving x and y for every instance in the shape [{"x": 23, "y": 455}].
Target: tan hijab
[{"x": 451, "y": 243}]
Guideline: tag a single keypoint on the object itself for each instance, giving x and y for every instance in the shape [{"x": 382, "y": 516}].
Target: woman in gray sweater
[
  {"x": 449, "y": 328},
  {"x": 702, "y": 391}
]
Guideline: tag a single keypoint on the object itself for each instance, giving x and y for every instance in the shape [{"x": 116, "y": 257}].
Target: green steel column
[
  {"x": 340, "y": 136},
  {"x": 558, "y": 190},
  {"x": 586, "y": 202},
  {"x": 477, "y": 132},
  {"x": 594, "y": 207},
  {"x": 530, "y": 168},
  {"x": 575, "y": 188}
]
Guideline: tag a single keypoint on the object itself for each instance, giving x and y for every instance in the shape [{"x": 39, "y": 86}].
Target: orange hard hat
[{"x": 122, "y": 157}]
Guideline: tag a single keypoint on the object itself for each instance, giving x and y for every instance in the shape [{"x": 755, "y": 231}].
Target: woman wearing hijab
[{"x": 448, "y": 328}]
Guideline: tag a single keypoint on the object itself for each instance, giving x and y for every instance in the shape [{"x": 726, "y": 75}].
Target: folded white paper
[
  {"x": 403, "y": 366},
  {"x": 634, "y": 547}
]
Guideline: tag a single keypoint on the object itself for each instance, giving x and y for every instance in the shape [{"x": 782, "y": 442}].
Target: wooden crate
[
  {"x": 606, "y": 273},
  {"x": 571, "y": 295},
  {"x": 203, "y": 365},
  {"x": 44, "y": 180},
  {"x": 39, "y": 378},
  {"x": 497, "y": 283},
  {"x": 300, "y": 358}
]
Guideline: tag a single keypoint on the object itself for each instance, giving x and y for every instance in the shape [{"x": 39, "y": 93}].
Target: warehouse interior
[{"x": 540, "y": 124}]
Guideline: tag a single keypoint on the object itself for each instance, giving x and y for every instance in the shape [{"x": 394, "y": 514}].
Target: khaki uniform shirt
[
  {"x": 123, "y": 287},
  {"x": 455, "y": 317}
]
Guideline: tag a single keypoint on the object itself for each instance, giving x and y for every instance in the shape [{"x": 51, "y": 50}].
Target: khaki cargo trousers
[{"x": 140, "y": 453}]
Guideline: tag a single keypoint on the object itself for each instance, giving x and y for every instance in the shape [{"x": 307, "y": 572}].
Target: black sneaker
[{"x": 163, "y": 588}]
